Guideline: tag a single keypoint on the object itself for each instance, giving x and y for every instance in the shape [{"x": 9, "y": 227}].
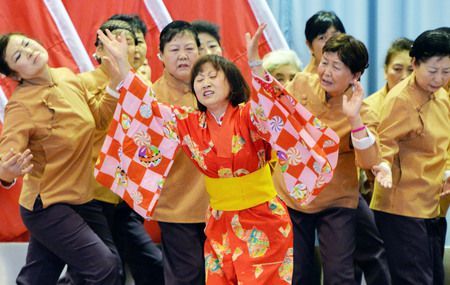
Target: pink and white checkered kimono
[{"x": 139, "y": 149}]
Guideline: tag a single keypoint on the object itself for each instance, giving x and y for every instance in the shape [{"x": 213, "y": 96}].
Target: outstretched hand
[
  {"x": 13, "y": 165},
  {"x": 383, "y": 175},
  {"x": 116, "y": 59}
]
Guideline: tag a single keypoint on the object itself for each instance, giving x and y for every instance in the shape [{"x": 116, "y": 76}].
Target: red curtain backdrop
[{"x": 31, "y": 17}]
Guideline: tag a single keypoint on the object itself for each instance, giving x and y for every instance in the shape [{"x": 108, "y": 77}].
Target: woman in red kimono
[{"x": 249, "y": 236}]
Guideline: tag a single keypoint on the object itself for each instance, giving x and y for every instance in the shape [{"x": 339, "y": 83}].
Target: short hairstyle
[
  {"x": 113, "y": 25},
  {"x": 134, "y": 20},
  {"x": 277, "y": 58},
  {"x": 399, "y": 45},
  {"x": 176, "y": 28},
  {"x": 4, "y": 41},
  {"x": 320, "y": 22},
  {"x": 239, "y": 90},
  {"x": 207, "y": 27},
  {"x": 431, "y": 43},
  {"x": 352, "y": 52}
]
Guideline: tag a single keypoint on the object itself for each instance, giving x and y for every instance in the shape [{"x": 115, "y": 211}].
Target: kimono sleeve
[
  {"x": 139, "y": 148},
  {"x": 306, "y": 148}
]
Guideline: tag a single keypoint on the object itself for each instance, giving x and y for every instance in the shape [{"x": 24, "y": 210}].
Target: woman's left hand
[
  {"x": 352, "y": 106},
  {"x": 252, "y": 43},
  {"x": 116, "y": 61},
  {"x": 446, "y": 190}
]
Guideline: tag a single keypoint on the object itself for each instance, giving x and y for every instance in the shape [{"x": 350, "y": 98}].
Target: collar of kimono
[{"x": 240, "y": 193}]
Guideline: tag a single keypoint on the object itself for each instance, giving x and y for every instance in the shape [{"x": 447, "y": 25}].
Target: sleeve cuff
[
  {"x": 446, "y": 175},
  {"x": 9, "y": 186},
  {"x": 112, "y": 92},
  {"x": 363, "y": 143},
  {"x": 266, "y": 79}
]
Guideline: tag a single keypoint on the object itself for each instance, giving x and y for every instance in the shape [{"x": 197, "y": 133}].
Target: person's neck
[
  {"x": 181, "y": 81},
  {"x": 42, "y": 76},
  {"x": 218, "y": 111}
]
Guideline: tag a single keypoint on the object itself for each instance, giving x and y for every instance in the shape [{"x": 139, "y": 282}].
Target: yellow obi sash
[{"x": 239, "y": 193}]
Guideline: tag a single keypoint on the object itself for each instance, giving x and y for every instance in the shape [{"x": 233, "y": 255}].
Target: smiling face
[
  {"x": 179, "y": 55},
  {"x": 433, "y": 73},
  {"x": 212, "y": 89},
  {"x": 335, "y": 76},
  {"x": 26, "y": 57}
]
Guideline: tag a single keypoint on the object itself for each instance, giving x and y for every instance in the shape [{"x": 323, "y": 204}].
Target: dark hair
[
  {"x": 113, "y": 25},
  {"x": 207, "y": 27},
  {"x": 134, "y": 20},
  {"x": 444, "y": 29},
  {"x": 399, "y": 45},
  {"x": 239, "y": 93},
  {"x": 4, "y": 41},
  {"x": 352, "y": 52},
  {"x": 320, "y": 22},
  {"x": 175, "y": 28},
  {"x": 431, "y": 43}
]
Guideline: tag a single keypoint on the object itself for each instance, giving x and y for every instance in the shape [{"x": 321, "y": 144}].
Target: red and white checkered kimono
[{"x": 138, "y": 151}]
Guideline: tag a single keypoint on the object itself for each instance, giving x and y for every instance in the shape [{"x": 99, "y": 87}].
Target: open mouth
[
  {"x": 183, "y": 65},
  {"x": 36, "y": 57},
  {"x": 208, "y": 93},
  {"x": 326, "y": 82}
]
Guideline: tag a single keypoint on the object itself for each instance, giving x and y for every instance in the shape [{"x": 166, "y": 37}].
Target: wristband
[
  {"x": 358, "y": 129},
  {"x": 255, "y": 63}
]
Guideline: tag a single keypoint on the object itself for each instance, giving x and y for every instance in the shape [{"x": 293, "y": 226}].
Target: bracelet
[
  {"x": 358, "y": 129},
  {"x": 255, "y": 63}
]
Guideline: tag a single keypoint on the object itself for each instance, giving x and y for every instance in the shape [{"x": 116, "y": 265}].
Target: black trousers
[
  {"x": 183, "y": 251},
  {"x": 63, "y": 234},
  {"x": 413, "y": 247},
  {"x": 135, "y": 247},
  {"x": 336, "y": 233},
  {"x": 370, "y": 254}
]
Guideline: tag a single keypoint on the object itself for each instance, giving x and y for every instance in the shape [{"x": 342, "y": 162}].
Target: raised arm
[{"x": 306, "y": 148}]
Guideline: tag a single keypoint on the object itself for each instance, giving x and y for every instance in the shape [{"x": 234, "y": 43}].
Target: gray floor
[{"x": 12, "y": 257}]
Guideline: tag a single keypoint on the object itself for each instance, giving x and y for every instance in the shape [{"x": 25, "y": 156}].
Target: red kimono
[{"x": 249, "y": 235}]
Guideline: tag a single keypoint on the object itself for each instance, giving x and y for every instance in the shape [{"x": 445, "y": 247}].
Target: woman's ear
[
  {"x": 357, "y": 76},
  {"x": 309, "y": 45},
  {"x": 414, "y": 63}
]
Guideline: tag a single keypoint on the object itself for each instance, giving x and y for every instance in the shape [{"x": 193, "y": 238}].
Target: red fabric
[
  {"x": 11, "y": 226},
  {"x": 33, "y": 19},
  {"x": 234, "y": 18},
  {"x": 88, "y": 15},
  {"x": 249, "y": 247}
]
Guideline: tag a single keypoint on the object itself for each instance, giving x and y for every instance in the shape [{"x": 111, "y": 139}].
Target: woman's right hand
[
  {"x": 116, "y": 59},
  {"x": 383, "y": 174},
  {"x": 13, "y": 165}
]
